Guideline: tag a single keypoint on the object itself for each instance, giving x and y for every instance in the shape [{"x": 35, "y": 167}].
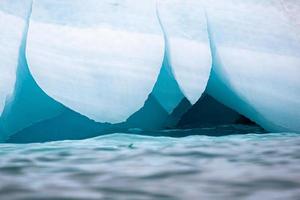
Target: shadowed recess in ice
[{"x": 215, "y": 120}]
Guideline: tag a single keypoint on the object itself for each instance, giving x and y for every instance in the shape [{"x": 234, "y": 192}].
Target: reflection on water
[{"x": 121, "y": 166}]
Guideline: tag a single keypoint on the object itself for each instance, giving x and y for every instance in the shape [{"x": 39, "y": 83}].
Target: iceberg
[{"x": 120, "y": 65}]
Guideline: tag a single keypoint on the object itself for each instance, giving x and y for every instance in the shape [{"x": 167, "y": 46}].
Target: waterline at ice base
[{"x": 70, "y": 70}]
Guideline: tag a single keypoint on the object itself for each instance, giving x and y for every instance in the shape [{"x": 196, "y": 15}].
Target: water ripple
[{"x": 121, "y": 166}]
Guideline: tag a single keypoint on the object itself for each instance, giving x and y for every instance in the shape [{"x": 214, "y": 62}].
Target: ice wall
[{"x": 256, "y": 61}]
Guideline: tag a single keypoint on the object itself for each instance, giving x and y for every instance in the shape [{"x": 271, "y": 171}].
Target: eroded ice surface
[
  {"x": 27, "y": 104},
  {"x": 256, "y": 53},
  {"x": 100, "y": 58},
  {"x": 166, "y": 89},
  {"x": 12, "y": 22},
  {"x": 187, "y": 44}
]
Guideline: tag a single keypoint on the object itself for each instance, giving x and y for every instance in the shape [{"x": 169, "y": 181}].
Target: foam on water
[{"x": 122, "y": 166}]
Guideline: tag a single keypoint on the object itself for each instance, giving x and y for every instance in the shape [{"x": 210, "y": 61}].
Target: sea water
[{"x": 123, "y": 166}]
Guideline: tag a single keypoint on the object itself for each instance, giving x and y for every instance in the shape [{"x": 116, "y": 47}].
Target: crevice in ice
[{"x": 167, "y": 90}]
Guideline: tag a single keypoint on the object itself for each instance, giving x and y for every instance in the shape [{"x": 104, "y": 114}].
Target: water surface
[{"x": 122, "y": 166}]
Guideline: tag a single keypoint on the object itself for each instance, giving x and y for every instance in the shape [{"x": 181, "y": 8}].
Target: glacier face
[{"x": 100, "y": 61}]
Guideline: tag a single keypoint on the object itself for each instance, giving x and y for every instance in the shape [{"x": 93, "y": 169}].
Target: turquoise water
[{"x": 121, "y": 166}]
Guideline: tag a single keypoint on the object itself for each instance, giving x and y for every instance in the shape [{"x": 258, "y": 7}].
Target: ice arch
[
  {"x": 256, "y": 58},
  {"x": 100, "y": 58}
]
